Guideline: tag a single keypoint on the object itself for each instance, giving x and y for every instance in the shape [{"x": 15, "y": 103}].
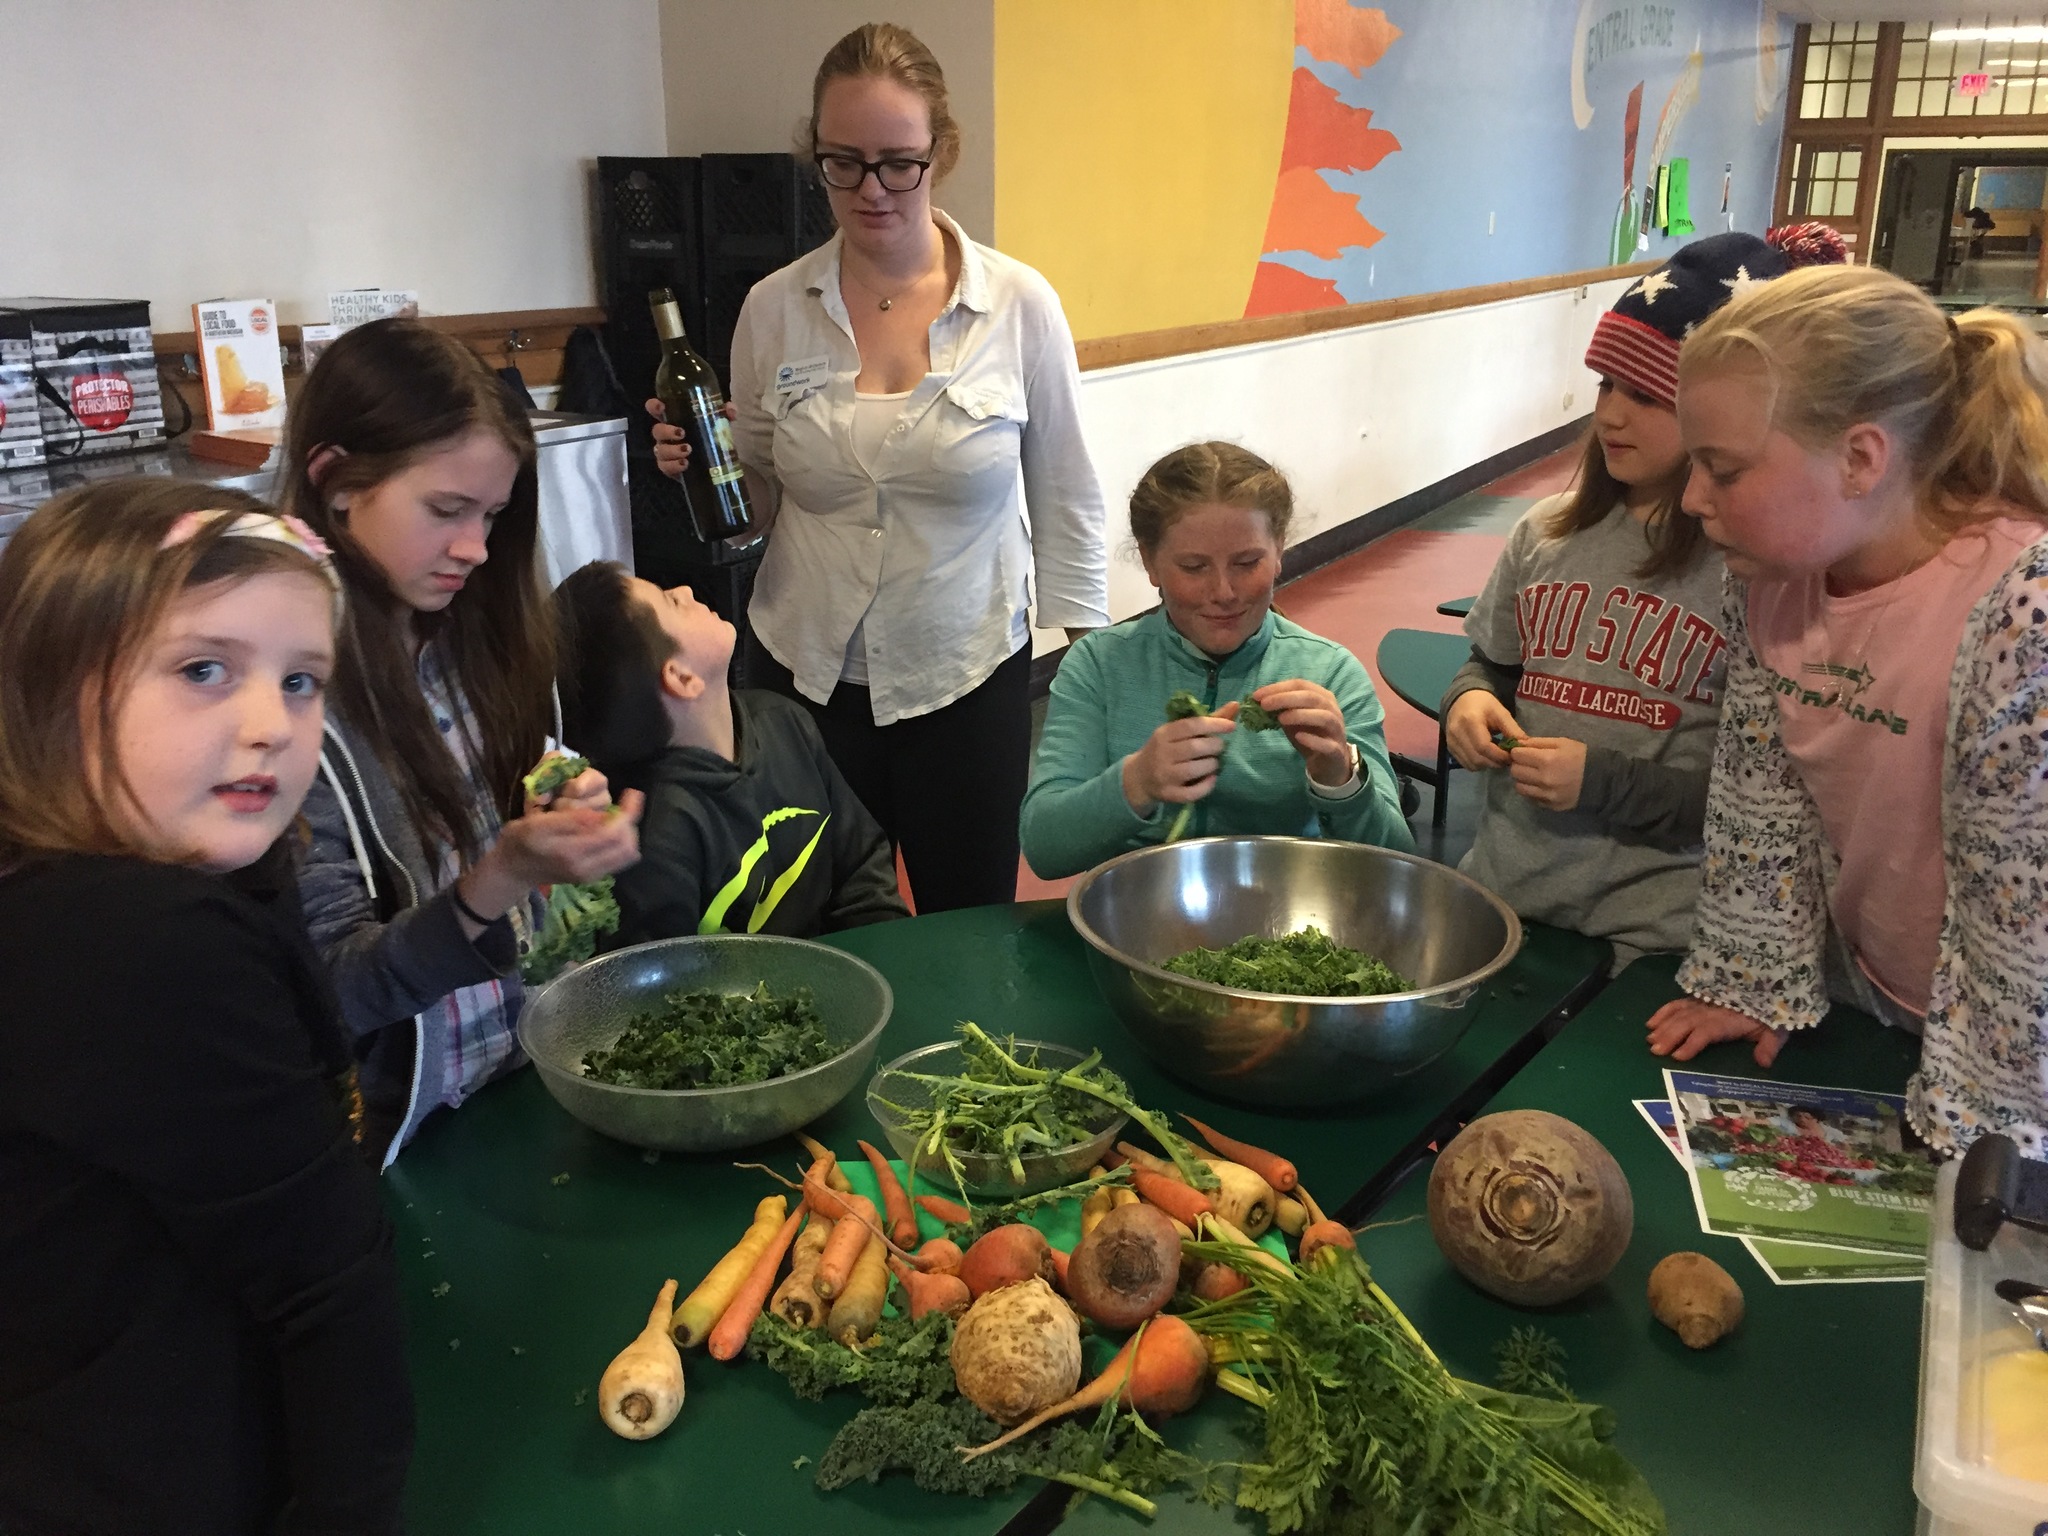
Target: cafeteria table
[
  {"x": 530, "y": 1248},
  {"x": 1798, "y": 1424}
]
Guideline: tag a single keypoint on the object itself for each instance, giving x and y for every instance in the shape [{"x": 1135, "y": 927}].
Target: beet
[
  {"x": 1529, "y": 1207},
  {"x": 1125, "y": 1269}
]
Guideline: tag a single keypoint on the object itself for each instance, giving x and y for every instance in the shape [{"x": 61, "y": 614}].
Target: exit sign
[{"x": 1973, "y": 85}]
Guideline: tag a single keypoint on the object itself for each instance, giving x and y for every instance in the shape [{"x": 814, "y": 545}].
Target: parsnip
[
  {"x": 1242, "y": 1198},
  {"x": 641, "y": 1391}
]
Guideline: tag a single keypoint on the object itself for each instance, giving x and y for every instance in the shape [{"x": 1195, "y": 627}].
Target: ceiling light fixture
[{"x": 2037, "y": 34}]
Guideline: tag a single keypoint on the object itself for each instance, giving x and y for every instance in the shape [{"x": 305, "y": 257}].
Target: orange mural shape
[
  {"x": 1341, "y": 33},
  {"x": 1277, "y": 289},
  {"x": 1324, "y": 134},
  {"x": 1311, "y": 215}
]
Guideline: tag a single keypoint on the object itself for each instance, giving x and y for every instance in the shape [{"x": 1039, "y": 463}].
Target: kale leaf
[
  {"x": 903, "y": 1362},
  {"x": 576, "y": 918},
  {"x": 1306, "y": 963},
  {"x": 552, "y": 772},
  {"x": 715, "y": 1040}
]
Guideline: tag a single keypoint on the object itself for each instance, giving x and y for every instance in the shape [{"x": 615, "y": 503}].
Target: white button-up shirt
[{"x": 933, "y": 549}]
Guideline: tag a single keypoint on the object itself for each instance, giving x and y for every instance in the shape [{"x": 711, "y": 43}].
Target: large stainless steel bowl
[
  {"x": 1430, "y": 923},
  {"x": 589, "y": 1007}
]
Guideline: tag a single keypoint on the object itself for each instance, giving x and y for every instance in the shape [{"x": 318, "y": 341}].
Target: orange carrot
[
  {"x": 934, "y": 1292},
  {"x": 821, "y": 1153},
  {"x": 1161, "y": 1370},
  {"x": 902, "y": 1219},
  {"x": 1271, "y": 1167},
  {"x": 1171, "y": 1196},
  {"x": 949, "y": 1211},
  {"x": 843, "y": 1247},
  {"x": 737, "y": 1321},
  {"x": 1059, "y": 1266}
]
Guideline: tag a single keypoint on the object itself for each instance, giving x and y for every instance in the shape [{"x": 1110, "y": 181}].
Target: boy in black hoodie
[{"x": 749, "y": 827}]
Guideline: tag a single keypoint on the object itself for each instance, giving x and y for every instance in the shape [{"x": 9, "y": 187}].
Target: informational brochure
[
  {"x": 1802, "y": 1163},
  {"x": 359, "y": 306},
  {"x": 1794, "y": 1263},
  {"x": 241, "y": 363}
]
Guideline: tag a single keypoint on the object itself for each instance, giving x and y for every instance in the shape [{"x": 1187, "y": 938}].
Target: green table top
[
  {"x": 519, "y": 1288},
  {"x": 1800, "y": 1422},
  {"x": 1419, "y": 664}
]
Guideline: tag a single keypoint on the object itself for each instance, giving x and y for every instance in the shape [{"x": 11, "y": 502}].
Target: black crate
[
  {"x": 648, "y": 238},
  {"x": 759, "y": 213}
]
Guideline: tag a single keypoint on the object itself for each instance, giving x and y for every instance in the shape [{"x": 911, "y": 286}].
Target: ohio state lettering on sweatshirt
[{"x": 1632, "y": 666}]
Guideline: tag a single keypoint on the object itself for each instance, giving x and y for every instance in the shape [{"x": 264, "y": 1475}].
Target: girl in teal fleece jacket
[{"x": 1112, "y": 773}]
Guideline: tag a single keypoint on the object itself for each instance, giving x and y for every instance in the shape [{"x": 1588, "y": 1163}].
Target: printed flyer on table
[
  {"x": 1803, "y": 1164},
  {"x": 1795, "y": 1263}
]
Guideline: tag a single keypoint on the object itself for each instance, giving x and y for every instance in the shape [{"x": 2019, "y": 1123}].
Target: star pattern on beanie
[
  {"x": 1737, "y": 285},
  {"x": 1650, "y": 284}
]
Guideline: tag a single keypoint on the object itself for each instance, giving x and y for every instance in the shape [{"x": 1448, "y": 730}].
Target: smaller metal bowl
[
  {"x": 589, "y": 1007},
  {"x": 988, "y": 1176}
]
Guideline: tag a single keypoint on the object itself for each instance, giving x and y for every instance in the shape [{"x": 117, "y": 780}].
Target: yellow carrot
[
  {"x": 857, "y": 1310},
  {"x": 701, "y": 1309}
]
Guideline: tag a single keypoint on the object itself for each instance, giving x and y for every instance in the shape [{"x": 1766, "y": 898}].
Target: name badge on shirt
[{"x": 804, "y": 373}]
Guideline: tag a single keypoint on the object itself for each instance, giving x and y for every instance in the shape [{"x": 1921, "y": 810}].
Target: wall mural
[
  {"x": 1325, "y": 133},
  {"x": 1179, "y": 162}
]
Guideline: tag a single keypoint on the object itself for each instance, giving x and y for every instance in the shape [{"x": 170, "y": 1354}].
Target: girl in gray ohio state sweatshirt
[{"x": 1593, "y": 692}]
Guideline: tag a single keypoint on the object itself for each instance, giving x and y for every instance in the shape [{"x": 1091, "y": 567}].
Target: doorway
[{"x": 1966, "y": 224}]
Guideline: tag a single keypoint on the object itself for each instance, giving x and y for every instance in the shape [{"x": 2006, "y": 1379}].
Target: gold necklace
[{"x": 887, "y": 300}]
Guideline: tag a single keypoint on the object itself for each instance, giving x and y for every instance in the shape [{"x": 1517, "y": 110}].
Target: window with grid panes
[
  {"x": 1933, "y": 56},
  {"x": 1841, "y": 58},
  {"x": 1825, "y": 182}
]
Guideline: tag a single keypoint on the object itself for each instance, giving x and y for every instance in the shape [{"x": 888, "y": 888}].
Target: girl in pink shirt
[{"x": 1876, "y": 475}]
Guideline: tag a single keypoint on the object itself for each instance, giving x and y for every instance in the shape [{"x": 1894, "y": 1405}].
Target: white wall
[
  {"x": 739, "y": 78},
  {"x": 1356, "y": 419},
  {"x": 207, "y": 148}
]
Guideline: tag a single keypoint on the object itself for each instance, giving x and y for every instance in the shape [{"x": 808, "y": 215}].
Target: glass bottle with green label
[{"x": 691, "y": 399}]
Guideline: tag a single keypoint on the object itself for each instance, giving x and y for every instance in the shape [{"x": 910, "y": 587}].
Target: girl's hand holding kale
[
  {"x": 1179, "y": 761},
  {"x": 1314, "y": 722}
]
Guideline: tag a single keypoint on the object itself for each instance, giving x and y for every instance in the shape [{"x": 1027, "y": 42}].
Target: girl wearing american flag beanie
[{"x": 1592, "y": 695}]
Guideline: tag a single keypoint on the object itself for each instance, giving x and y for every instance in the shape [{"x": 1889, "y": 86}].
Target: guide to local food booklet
[
  {"x": 1801, "y": 1163},
  {"x": 1795, "y": 1263}
]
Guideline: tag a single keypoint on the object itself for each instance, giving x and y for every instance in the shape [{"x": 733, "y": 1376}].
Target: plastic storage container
[{"x": 1967, "y": 1328}]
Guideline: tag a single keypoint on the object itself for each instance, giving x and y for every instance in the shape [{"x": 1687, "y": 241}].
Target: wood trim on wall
[{"x": 1211, "y": 336}]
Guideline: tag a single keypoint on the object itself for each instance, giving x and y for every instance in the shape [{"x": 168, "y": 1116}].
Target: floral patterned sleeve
[
  {"x": 1984, "y": 1063},
  {"x": 1760, "y": 941}
]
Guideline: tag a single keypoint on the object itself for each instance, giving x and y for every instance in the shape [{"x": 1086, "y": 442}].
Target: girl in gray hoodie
[{"x": 419, "y": 885}]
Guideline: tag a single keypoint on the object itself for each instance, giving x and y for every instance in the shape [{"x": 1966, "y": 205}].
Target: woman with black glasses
[{"x": 907, "y": 413}]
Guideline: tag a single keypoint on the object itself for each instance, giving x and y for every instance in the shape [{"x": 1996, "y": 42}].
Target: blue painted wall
[{"x": 1481, "y": 95}]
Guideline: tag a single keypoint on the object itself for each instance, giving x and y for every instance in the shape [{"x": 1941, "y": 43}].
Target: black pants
[{"x": 947, "y": 787}]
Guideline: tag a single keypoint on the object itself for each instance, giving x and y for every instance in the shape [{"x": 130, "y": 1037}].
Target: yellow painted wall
[{"x": 1136, "y": 147}]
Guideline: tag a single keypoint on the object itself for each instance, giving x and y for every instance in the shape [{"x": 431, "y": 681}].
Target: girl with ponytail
[{"x": 1876, "y": 476}]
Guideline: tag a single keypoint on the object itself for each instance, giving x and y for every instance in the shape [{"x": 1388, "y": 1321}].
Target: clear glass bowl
[{"x": 987, "y": 1176}]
